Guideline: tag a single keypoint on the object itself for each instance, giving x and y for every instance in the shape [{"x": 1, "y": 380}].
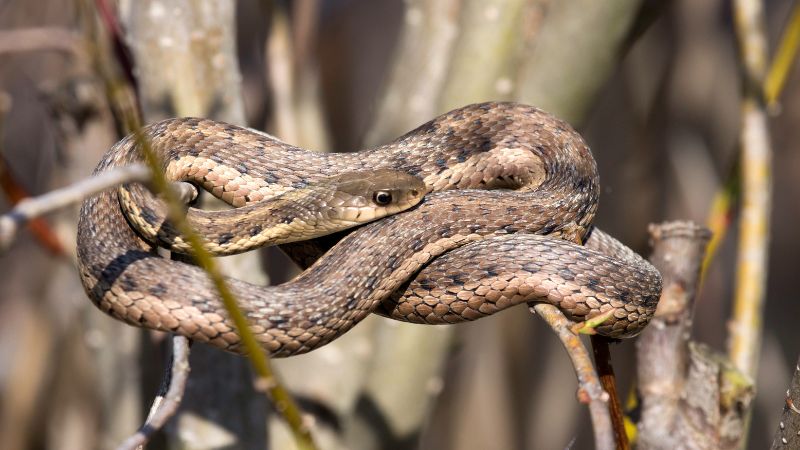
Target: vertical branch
[
  {"x": 691, "y": 397},
  {"x": 751, "y": 276},
  {"x": 661, "y": 350},
  {"x": 602, "y": 358}
]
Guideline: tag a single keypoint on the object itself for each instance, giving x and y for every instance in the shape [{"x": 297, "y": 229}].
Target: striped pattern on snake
[{"x": 512, "y": 192}]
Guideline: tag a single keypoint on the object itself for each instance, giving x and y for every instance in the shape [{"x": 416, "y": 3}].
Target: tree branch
[
  {"x": 166, "y": 403},
  {"x": 590, "y": 390}
]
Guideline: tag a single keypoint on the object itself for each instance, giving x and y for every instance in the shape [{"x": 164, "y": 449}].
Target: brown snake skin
[{"x": 464, "y": 252}]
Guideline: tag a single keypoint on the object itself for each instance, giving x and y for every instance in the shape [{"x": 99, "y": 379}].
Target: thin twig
[
  {"x": 33, "y": 207},
  {"x": 725, "y": 200},
  {"x": 746, "y": 326},
  {"x": 589, "y": 389},
  {"x": 784, "y": 58},
  {"x": 166, "y": 404},
  {"x": 602, "y": 359}
]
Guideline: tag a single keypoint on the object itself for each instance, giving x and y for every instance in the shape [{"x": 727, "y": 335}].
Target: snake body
[{"x": 512, "y": 192}]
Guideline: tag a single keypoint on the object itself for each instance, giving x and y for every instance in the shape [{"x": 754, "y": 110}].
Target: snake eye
[{"x": 382, "y": 198}]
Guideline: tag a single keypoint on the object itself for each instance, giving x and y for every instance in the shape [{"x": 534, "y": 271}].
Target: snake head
[{"x": 369, "y": 195}]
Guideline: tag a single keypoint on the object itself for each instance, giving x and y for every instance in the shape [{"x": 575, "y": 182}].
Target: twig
[
  {"x": 725, "y": 200},
  {"x": 121, "y": 51},
  {"x": 602, "y": 359},
  {"x": 167, "y": 401},
  {"x": 31, "y": 208},
  {"x": 784, "y": 57},
  {"x": 788, "y": 433},
  {"x": 746, "y": 327},
  {"x": 589, "y": 389}
]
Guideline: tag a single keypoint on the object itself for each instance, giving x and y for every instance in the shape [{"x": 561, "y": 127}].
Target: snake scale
[{"x": 510, "y": 196}]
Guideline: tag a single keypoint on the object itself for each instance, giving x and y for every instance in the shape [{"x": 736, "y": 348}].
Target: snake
[{"x": 506, "y": 196}]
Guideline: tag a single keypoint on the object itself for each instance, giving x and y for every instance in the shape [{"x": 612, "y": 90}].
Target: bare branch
[
  {"x": 34, "y": 207},
  {"x": 589, "y": 389},
  {"x": 756, "y": 163},
  {"x": 691, "y": 397},
  {"x": 166, "y": 403}
]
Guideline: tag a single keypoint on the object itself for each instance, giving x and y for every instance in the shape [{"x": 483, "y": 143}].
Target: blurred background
[{"x": 653, "y": 86}]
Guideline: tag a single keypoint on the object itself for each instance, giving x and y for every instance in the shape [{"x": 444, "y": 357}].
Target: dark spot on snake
[
  {"x": 413, "y": 169},
  {"x": 478, "y": 123},
  {"x": 463, "y": 154},
  {"x": 277, "y": 320},
  {"x": 241, "y": 168},
  {"x": 270, "y": 178},
  {"x": 352, "y": 302},
  {"x": 441, "y": 162},
  {"x": 158, "y": 290},
  {"x": 127, "y": 283},
  {"x": 287, "y": 219},
  {"x": 491, "y": 271},
  {"x": 459, "y": 278},
  {"x": 193, "y": 151},
  {"x": 426, "y": 283},
  {"x": 393, "y": 262},
  {"x": 548, "y": 228},
  {"x": 148, "y": 214},
  {"x": 566, "y": 274},
  {"x": 486, "y": 144},
  {"x": 255, "y": 230},
  {"x": 428, "y": 128},
  {"x": 473, "y": 228},
  {"x": 623, "y": 297},
  {"x": 216, "y": 158},
  {"x": 510, "y": 228},
  {"x": 299, "y": 184},
  {"x": 593, "y": 283},
  {"x": 225, "y": 238},
  {"x": 417, "y": 245}
]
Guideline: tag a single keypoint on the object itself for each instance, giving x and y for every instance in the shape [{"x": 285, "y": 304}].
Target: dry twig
[
  {"x": 31, "y": 208},
  {"x": 590, "y": 390},
  {"x": 746, "y": 326},
  {"x": 166, "y": 403}
]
